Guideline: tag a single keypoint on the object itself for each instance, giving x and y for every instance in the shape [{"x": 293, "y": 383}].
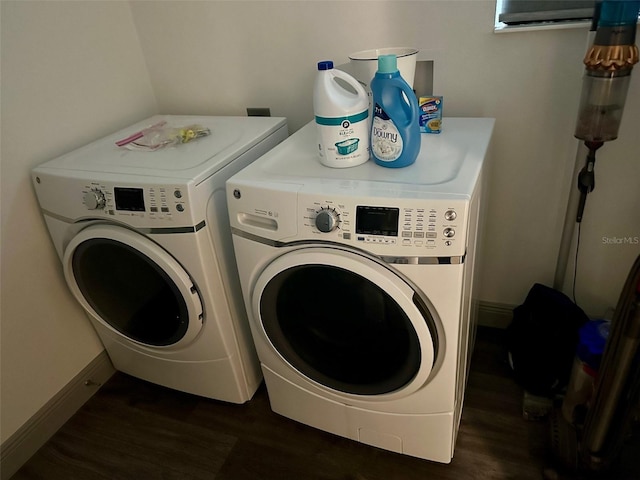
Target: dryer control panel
[
  {"x": 154, "y": 200},
  {"x": 141, "y": 205}
]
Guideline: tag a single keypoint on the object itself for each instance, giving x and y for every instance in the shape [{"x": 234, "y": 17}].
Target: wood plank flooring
[{"x": 135, "y": 430}]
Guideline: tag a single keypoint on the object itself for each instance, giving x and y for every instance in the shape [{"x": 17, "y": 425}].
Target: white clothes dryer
[
  {"x": 358, "y": 284},
  {"x": 146, "y": 250}
]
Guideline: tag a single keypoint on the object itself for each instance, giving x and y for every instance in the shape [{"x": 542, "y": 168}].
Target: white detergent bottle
[{"x": 341, "y": 118}]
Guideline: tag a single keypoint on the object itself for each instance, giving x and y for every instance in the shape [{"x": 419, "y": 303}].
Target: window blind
[{"x": 517, "y": 12}]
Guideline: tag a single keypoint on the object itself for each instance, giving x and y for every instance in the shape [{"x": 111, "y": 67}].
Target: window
[
  {"x": 519, "y": 12},
  {"x": 545, "y": 14}
]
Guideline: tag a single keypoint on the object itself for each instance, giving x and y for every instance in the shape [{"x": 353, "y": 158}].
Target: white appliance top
[
  {"x": 417, "y": 213},
  {"x": 193, "y": 161},
  {"x": 449, "y": 164}
]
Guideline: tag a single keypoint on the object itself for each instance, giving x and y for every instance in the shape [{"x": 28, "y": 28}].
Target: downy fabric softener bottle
[{"x": 395, "y": 130}]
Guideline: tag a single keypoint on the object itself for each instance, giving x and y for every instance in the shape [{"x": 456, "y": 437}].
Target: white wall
[
  {"x": 222, "y": 57},
  {"x": 71, "y": 72}
]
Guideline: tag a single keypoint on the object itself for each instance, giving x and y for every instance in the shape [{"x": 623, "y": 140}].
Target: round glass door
[
  {"x": 345, "y": 321},
  {"x": 129, "y": 283}
]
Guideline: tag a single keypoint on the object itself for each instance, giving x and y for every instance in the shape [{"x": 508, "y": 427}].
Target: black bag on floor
[{"x": 542, "y": 339}]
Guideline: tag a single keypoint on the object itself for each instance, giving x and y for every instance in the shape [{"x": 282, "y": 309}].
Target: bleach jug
[
  {"x": 395, "y": 129},
  {"x": 341, "y": 118}
]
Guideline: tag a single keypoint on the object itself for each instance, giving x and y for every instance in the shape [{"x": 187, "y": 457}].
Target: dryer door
[
  {"x": 346, "y": 321},
  {"x": 132, "y": 285}
]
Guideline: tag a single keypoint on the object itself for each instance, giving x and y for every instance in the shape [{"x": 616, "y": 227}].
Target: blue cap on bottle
[
  {"x": 592, "y": 341},
  {"x": 387, "y": 63},
  {"x": 325, "y": 65}
]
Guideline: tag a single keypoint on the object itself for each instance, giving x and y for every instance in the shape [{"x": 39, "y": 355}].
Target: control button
[
  {"x": 418, "y": 234},
  {"x": 432, "y": 235},
  {"x": 177, "y": 194},
  {"x": 327, "y": 220},
  {"x": 154, "y": 209},
  {"x": 449, "y": 232},
  {"x": 450, "y": 215},
  {"x": 94, "y": 199},
  {"x": 448, "y": 243},
  {"x": 406, "y": 234},
  {"x": 406, "y": 241},
  {"x": 180, "y": 207},
  {"x": 418, "y": 243},
  {"x": 165, "y": 209}
]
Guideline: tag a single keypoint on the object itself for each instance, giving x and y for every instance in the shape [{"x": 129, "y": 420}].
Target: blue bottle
[{"x": 395, "y": 129}]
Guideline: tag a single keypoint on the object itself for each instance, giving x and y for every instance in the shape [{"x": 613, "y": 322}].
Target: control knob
[
  {"x": 327, "y": 220},
  {"x": 94, "y": 199}
]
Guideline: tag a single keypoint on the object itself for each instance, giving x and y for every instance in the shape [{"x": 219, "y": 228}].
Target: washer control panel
[{"x": 434, "y": 227}]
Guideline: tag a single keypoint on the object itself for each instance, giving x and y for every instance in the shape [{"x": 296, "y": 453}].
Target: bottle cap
[
  {"x": 592, "y": 341},
  {"x": 325, "y": 65},
  {"x": 387, "y": 63}
]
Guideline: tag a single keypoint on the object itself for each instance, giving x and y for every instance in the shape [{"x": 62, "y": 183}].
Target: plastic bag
[
  {"x": 162, "y": 135},
  {"x": 542, "y": 340}
]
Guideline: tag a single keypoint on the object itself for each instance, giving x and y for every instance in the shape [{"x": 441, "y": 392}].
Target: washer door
[
  {"x": 133, "y": 286},
  {"x": 346, "y": 321}
]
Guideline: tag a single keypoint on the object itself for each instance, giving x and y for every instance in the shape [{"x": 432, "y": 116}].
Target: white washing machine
[
  {"x": 359, "y": 284},
  {"x": 146, "y": 249}
]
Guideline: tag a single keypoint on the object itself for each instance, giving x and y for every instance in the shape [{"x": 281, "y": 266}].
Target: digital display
[
  {"x": 377, "y": 221},
  {"x": 130, "y": 199}
]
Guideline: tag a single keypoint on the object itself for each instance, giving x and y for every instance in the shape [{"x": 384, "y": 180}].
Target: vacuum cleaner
[{"x": 593, "y": 445}]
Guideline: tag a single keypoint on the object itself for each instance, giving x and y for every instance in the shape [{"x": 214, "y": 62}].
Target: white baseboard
[
  {"x": 26, "y": 441},
  {"x": 496, "y": 315}
]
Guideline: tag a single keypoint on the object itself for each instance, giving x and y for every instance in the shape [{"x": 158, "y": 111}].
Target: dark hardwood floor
[{"x": 135, "y": 430}]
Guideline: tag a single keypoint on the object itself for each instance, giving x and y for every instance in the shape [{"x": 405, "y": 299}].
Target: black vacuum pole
[{"x": 587, "y": 177}]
